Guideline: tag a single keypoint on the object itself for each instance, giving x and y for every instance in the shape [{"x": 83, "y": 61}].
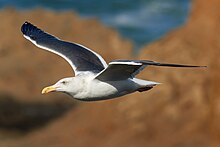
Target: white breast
[{"x": 98, "y": 90}]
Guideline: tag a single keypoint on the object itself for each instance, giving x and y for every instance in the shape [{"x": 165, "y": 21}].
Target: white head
[{"x": 66, "y": 85}]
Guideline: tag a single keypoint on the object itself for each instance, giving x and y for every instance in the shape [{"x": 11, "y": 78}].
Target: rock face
[{"x": 184, "y": 111}]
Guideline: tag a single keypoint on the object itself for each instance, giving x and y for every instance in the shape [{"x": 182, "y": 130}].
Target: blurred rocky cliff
[{"x": 182, "y": 112}]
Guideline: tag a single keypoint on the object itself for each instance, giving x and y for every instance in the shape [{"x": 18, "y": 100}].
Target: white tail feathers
[{"x": 145, "y": 82}]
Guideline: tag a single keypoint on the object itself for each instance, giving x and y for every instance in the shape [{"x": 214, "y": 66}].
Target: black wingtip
[
  {"x": 30, "y": 30},
  {"x": 33, "y": 32},
  {"x": 180, "y": 65},
  {"x": 24, "y": 27},
  {"x": 27, "y": 26}
]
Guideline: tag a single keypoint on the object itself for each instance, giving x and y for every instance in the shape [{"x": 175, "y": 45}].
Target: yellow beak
[{"x": 48, "y": 89}]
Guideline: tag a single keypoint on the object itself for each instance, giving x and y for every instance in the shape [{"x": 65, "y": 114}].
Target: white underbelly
[{"x": 97, "y": 90}]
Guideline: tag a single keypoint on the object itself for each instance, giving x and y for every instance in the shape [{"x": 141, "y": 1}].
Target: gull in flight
[{"x": 94, "y": 79}]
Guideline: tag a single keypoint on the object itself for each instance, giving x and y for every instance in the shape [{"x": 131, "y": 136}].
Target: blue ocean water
[{"x": 141, "y": 21}]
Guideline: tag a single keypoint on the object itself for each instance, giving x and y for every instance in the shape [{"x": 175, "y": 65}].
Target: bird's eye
[{"x": 63, "y": 82}]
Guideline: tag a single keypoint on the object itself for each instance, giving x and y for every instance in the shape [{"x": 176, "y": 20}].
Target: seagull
[{"x": 94, "y": 79}]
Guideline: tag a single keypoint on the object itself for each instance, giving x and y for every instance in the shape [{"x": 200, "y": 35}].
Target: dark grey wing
[
  {"x": 79, "y": 57},
  {"x": 124, "y": 69},
  {"x": 119, "y": 71},
  {"x": 153, "y": 63}
]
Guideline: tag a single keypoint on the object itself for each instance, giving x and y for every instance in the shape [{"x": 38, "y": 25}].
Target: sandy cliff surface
[{"x": 183, "y": 111}]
